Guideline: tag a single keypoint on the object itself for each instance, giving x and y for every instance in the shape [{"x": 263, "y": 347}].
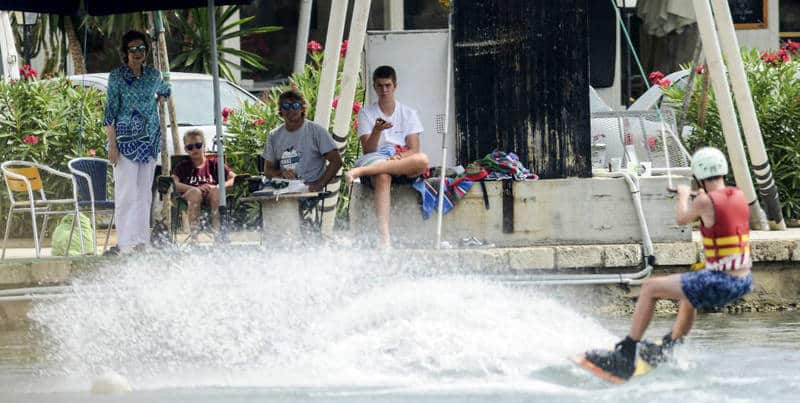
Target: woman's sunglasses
[
  {"x": 293, "y": 105},
  {"x": 190, "y": 147},
  {"x": 135, "y": 49}
]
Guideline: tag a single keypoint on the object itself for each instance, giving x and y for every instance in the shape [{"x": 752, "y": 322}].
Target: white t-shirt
[{"x": 404, "y": 121}]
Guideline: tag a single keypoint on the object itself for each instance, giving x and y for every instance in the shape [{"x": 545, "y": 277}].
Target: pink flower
[
  {"x": 258, "y": 121},
  {"x": 314, "y": 47},
  {"x": 664, "y": 83},
  {"x": 791, "y": 46},
  {"x": 343, "y": 50},
  {"x": 355, "y": 124},
  {"x": 356, "y": 107},
  {"x": 700, "y": 69},
  {"x": 225, "y": 113},
  {"x": 335, "y": 102},
  {"x": 655, "y": 77},
  {"x": 783, "y": 55},
  {"x": 30, "y": 139},
  {"x": 27, "y": 71},
  {"x": 651, "y": 142},
  {"x": 92, "y": 152}
]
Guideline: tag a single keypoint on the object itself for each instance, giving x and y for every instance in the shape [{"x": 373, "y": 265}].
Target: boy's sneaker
[{"x": 620, "y": 362}]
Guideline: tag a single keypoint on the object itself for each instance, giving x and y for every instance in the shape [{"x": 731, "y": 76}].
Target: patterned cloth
[
  {"x": 455, "y": 190},
  {"x": 709, "y": 289},
  {"x": 131, "y": 108},
  {"x": 505, "y": 163}
]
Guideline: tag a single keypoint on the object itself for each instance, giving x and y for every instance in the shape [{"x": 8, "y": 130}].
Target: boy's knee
[{"x": 382, "y": 180}]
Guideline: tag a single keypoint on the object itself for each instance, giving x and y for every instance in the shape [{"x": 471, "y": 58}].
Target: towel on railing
[{"x": 429, "y": 191}]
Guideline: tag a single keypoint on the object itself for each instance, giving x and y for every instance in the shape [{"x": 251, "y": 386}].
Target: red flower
[
  {"x": 343, "y": 50},
  {"x": 700, "y": 69},
  {"x": 655, "y": 77},
  {"x": 664, "y": 83},
  {"x": 225, "y": 113},
  {"x": 335, "y": 102},
  {"x": 92, "y": 152},
  {"x": 27, "y": 71},
  {"x": 791, "y": 46},
  {"x": 783, "y": 55},
  {"x": 314, "y": 47},
  {"x": 356, "y": 107},
  {"x": 30, "y": 139},
  {"x": 258, "y": 121},
  {"x": 651, "y": 142}
]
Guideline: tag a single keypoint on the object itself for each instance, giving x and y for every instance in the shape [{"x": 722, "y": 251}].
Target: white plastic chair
[{"x": 24, "y": 177}]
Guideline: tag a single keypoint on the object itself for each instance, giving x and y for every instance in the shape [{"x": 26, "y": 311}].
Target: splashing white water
[{"x": 291, "y": 318}]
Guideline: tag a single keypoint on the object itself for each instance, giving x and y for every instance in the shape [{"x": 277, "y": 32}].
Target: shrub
[
  {"x": 40, "y": 121},
  {"x": 774, "y": 79}
]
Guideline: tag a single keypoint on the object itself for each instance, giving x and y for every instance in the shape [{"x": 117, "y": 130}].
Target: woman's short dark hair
[{"x": 129, "y": 37}]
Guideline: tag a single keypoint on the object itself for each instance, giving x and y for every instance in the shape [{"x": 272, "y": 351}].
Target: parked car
[{"x": 194, "y": 100}]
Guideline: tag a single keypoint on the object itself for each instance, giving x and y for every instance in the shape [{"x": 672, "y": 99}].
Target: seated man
[
  {"x": 196, "y": 179},
  {"x": 389, "y": 134},
  {"x": 300, "y": 149}
]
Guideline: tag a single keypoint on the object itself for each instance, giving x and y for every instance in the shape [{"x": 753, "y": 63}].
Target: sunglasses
[
  {"x": 190, "y": 147},
  {"x": 294, "y": 105},
  {"x": 135, "y": 49}
]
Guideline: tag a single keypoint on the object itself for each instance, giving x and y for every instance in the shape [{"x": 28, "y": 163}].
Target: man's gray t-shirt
[{"x": 301, "y": 150}]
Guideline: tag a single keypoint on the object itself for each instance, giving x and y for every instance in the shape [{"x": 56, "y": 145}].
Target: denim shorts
[{"x": 709, "y": 289}]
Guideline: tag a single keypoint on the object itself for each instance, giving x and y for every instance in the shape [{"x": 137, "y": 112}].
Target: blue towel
[{"x": 429, "y": 191}]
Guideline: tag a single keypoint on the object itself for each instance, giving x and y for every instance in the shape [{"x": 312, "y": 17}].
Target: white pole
[
  {"x": 730, "y": 127},
  {"x": 747, "y": 112},
  {"x": 303, "y": 25},
  {"x": 352, "y": 62},
  {"x": 443, "y": 175},
  {"x": 394, "y": 15},
  {"x": 330, "y": 63}
]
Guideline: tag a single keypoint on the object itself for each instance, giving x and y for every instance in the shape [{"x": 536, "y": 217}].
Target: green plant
[
  {"x": 774, "y": 79},
  {"x": 50, "y": 122},
  {"x": 196, "y": 53}
]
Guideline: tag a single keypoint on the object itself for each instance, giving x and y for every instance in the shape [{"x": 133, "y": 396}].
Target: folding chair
[
  {"x": 24, "y": 177},
  {"x": 90, "y": 176}
]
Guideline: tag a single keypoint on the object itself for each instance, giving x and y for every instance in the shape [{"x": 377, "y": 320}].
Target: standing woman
[{"x": 134, "y": 139}]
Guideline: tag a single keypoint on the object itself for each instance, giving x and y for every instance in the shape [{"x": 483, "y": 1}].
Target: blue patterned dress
[{"x": 132, "y": 109}]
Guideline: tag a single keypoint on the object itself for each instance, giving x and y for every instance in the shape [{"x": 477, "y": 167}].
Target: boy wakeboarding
[{"x": 725, "y": 225}]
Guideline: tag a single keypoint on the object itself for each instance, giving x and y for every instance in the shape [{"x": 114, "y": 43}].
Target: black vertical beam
[{"x": 522, "y": 82}]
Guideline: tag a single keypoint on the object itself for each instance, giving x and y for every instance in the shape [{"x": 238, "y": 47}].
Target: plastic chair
[
  {"x": 90, "y": 177},
  {"x": 25, "y": 177}
]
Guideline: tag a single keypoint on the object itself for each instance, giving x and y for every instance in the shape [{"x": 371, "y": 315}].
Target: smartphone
[{"x": 380, "y": 121}]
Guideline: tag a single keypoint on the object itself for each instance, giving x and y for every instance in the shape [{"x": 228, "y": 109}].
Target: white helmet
[{"x": 709, "y": 162}]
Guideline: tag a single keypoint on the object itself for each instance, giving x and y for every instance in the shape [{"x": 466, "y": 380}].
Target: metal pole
[
  {"x": 747, "y": 112},
  {"x": 26, "y": 32},
  {"x": 628, "y": 78},
  {"x": 443, "y": 175},
  {"x": 730, "y": 126},
  {"x": 218, "y": 139},
  {"x": 303, "y": 26}
]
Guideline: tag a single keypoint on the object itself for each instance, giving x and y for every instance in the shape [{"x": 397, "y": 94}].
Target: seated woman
[{"x": 196, "y": 179}]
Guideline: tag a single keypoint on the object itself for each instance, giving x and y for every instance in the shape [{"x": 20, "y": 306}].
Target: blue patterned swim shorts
[{"x": 709, "y": 289}]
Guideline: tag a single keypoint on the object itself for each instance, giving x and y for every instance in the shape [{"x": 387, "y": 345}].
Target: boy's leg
[
  {"x": 193, "y": 199},
  {"x": 382, "y": 185},
  {"x": 653, "y": 289},
  {"x": 683, "y": 324},
  {"x": 212, "y": 197},
  {"x": 413, "y": 165}
]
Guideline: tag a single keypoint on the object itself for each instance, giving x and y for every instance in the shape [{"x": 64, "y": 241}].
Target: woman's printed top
[{"x": 132, "y": 109}]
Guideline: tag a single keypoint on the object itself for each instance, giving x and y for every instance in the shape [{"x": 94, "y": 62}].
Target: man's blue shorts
[{"x": 709, "y": 289}]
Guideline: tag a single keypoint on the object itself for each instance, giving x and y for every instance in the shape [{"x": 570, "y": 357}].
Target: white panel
[{"x": 420, "y": 59}]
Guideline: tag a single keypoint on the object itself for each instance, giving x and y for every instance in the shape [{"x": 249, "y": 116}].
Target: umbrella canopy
[{"x": 106, "y": 7}]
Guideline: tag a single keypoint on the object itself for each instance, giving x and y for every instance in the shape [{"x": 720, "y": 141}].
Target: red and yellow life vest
[{"x": 727, "y": 244}]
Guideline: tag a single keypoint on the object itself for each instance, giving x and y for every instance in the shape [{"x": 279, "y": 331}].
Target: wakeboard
[{"x": 641, "y": 368}]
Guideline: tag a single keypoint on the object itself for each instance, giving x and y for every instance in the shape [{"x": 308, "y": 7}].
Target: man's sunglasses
[
  {"x": 190, "y": 147},
  {"x": 293, "y": 105},
  {"x": 140, "y": 48}
]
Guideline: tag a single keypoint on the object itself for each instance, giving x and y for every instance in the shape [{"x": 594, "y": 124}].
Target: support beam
[
  {"x": 727, "y": 115},
  {"x": 330, "y": 63},
  {"x": 747, "y": 113},
  {"x": 303, "y": 25},
  {"x": 394, "y": 15}
]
